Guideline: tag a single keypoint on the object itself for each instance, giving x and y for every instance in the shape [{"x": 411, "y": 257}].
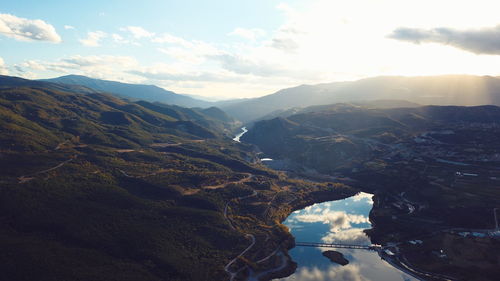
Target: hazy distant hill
[
  {"x": 134, "y": 91},
  {"x": 376, "y": 104},
  {"x": 210, "y": 118},
  {"x": 436, "y": 90}
]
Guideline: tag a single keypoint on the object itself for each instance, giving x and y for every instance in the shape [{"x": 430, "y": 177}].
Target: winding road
[
  {"x": 243, "y": 180},
  {"x": 27, "y": 178},
  {"x": 226, "y": 268},
  {"x": 233, "y": 274}
]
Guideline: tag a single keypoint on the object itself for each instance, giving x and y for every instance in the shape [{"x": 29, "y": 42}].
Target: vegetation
[
  {"x": 94, "y": 187},
  {"x": 433, "y": 171}
]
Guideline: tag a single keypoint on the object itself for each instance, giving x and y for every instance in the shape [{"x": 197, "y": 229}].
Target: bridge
[{"x": 339, "y": 246}]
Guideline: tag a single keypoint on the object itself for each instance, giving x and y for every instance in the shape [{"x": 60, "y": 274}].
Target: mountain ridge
[
  {"x": 463, "y": 90},
  {"x": 151, "y": 93}
]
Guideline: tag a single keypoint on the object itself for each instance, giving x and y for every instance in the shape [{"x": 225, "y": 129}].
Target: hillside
[
  {"x": 433, "y": 171},
  {"x": 211, "y": 117},
  {"x": 460, "y": 90},
  {"x": 149, "y": 93},
  {"x": 94, "y": 187},
  {"x": 343, "y": 136},
  {"x": 10, "y": 81},
  {"x": 372, "y": 104}
]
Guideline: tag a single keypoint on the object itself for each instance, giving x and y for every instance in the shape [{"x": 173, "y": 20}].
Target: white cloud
[
  {"x": 103, "y": 66},
  {"x": 285, "y": 44},
  {"x": 182, "y": 54},
  {"x": 242, "y": 65},
  {"x": 117, "y": 38},
  {"x": 67, "y": 27},
  {"x": 250, "y": 34},
  {"x": 285, "y": 8},
  {"x": 93, "y": 38},
  {"x": 104, "y": 60},
  {"x": 3, "y": 69},
  {"x": 247, "y": 62},
  {"x": 338, "y": 36},
  {"x": 138, "y": 32},
  {"x": 32, "y": 65},
  {"x": 193, "y": 52},
  {"x": 27, "y": 30},
  {"x": 200, "y": 47},
  {"x": 318, "y": 41},
  {"x": 479, "y": 41},
  {"x": 165, "y": 72},
  {"x": 171, "y": 39}
]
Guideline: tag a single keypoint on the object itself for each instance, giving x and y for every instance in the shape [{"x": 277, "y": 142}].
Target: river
[
  {"x": 238, "y": 136},
  {"x": 341, "y": 221}
]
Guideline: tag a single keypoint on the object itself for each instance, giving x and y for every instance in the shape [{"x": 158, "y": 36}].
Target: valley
[
  {"x": 97, "y": 179},
  {"x": 433, "y": 172},
  {"x": 82, "y": 169},
  {"x": 288, "y": 140}
]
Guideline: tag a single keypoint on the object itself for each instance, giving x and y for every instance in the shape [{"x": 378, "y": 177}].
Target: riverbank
[
  {"x": 266, "y": 262},
  {"x": 338, "y": 222},
  {"x": 311, "y": 199}
]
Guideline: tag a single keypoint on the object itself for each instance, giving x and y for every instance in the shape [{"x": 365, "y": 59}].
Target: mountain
[
  {"x": 212, "y": 118},
  {"x": 343, "y": 136},
  {"x": 94, "y": 118},
  {"x": 132, "y": 91},
  {"x": 11, "y": 81},
  {"x": 462, "y": 90},
  {"x": 95, "y": 187},
  {"x": 433, "y": 171},
  {"x": 374, "y": 104}
]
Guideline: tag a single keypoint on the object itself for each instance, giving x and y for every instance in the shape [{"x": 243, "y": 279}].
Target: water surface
[
  {"x": 238, "y": 136},
  {"x": 341, "y": 221}
]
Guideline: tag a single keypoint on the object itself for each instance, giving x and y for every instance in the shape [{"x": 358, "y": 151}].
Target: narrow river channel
[
  {"x": 341, "y": 221},
  {"x": 238, "y": 136}
]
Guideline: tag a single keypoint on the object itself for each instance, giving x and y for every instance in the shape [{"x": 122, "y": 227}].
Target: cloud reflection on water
[
  {"x": 349, "y": 236},
  {"x": 336, "y": 219},
  {"x": 363, "y": 196},
  {"x": 333, "y": 273},
  {"x": 346, "y": 219}
]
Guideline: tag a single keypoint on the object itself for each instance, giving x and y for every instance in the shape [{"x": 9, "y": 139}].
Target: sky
[{"x": 247, "y": 48}]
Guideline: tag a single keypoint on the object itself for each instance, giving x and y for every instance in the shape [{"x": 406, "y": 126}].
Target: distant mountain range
[
  {"x": 131, "y": 91},
  {"x": 211, "y": 118},
  {"x": 463, "y": 90},
  {"x": 10, "y": 81},
  {"x": 377, "y": 92}
]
